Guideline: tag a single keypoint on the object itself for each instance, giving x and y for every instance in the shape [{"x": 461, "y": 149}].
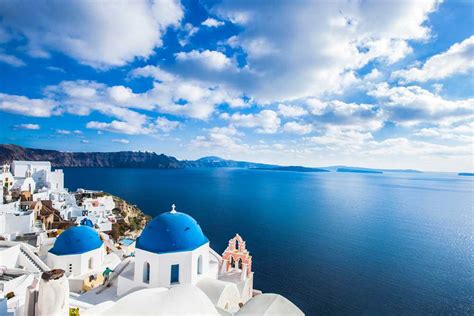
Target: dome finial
[{"x": 173, "y": 208}]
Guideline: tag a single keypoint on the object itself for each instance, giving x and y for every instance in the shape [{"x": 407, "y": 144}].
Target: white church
[{"x": 173, "y": 271}]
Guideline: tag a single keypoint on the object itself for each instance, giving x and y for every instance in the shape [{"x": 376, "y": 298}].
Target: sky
[{"x": 383, "y": 84}]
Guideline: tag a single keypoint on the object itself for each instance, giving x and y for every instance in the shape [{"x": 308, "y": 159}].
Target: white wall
[
  {"x": 77, "y": 264},
  {"x": 12, "y": 221},
  {"x": 19, "y": 168},
  {"x": 27, "y": 184},
  {"x": 160, "y": 266},
  {"x": 9, "y": 256},
  {"x": 56, "y": 180}
]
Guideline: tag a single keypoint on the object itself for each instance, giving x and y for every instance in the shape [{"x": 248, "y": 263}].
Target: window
[
  {"x": 174, "y": 274},
  {"x": 199, "y": 265},
  {"x": 146, "y": 273}
]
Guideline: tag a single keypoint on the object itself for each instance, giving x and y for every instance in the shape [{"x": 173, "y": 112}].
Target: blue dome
[
  {"x": 171, "y": 232},
  {"x": 87, "y": 222},
  {"x": 76, "y": 240}
]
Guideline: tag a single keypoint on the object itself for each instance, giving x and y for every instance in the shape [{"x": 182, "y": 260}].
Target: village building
[{"x": 81, "y": 253}]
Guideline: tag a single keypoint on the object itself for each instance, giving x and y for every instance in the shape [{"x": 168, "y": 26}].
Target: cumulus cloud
[
  {"x": 289, "y": 54},
  {"x": 220, "y": 139},
  {"x": 413, "y": 104},
  {"x": 297, "y": 128},
  {"x": 291, "y": 110},
  {"x": 99, "y": 34},
  {"x": 29, "y": 107},
  {"x": 210, "y": 60},
  {"x": 169, "y": 95},
  {"x": 165, "y": 125},
  {"x": 458, "y": 59},
  {"x": 351, "y": 115},
  {"x": 175, "y": 95},
  {"x": 458, "y": 132},
  {"x": 265, "y": 122},
  {"x": 341, "y": 137},
  {"x": 28, "y": 126},
  {"x": 211, "y": 22}
]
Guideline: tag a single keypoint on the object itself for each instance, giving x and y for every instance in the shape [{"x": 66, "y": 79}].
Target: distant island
[
  {"x": 466, "y": 174},
  {"x": 368, "y": 170},
  {"x": 293, "y": 168},
  {"x": 152, "y": 160},
  {"x": 358, "y": 170}
]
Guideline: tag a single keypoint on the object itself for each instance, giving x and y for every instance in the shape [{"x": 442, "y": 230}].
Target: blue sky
[{"x": 314, "y": 83}]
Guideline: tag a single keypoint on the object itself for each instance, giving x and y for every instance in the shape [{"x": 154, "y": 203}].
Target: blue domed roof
[
  {"x": 76, "y": 240},
  {"x": 87, "y": 222},
  {"x": 171, "y": 232}
]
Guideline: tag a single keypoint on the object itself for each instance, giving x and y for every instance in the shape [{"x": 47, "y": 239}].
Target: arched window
[
  {"x": 199, "y": 265},
  {"x": 146, "y": 273},
  {"x": 91, "y": 263}
]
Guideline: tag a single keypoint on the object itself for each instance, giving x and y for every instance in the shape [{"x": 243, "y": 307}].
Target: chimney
[{"x": 53, "y": 296}]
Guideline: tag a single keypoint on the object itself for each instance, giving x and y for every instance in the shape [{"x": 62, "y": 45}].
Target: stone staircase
[{"x": 33, "y": 261}]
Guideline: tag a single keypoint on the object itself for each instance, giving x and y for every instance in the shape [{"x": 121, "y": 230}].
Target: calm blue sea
[{"x": 333, "y": 243}]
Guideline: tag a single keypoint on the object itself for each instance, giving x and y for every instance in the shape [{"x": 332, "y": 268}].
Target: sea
[{"x": 332, "y": 243}]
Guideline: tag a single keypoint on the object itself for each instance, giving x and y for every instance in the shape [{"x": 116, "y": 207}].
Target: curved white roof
[
  {"x": 220, "y": 292},
  {"x": 269, "y": 304},
  {"x": 183, "y": 299}
]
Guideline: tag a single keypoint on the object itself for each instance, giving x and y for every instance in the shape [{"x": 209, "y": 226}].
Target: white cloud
[
  {"x": 28, "y": 126},
  {"x": 289, "y": 55},
  {"x": 373, "y": 75},
  {"x": 338, "y": 137},
  {"x": 120, "y": 127},
  {"x": 297, "y": 128},
  {"x": 188, "y": 31},
  {"x": 266, "y": 121},
  {"x": 458, "y": 132},
  {"x": 211, "y": 60},
  {"x": 171, "y": 95},
  {"x": 351, "y": 115},
  {"x": 121, "y": 140},
  {"x": 405, "y": 147},
  {"x": 210, "y": 22},
  {"x": 29, "y": 107},
  {"x": 458, "y": 59},
  {"x": 174, "y": 95},
  {"x": 120, "y": 93},
  {"x": 222, "y": 139},
  {"x": 85, "y": 141},
  {"x": 165, "y": 125},
  {"x": 154, "y": 72},
  {"x": 99, "y": 34},
  {"x": 291, "y": 110},
  {"x": 11, "y": 60},
  {"x": 414, "y": 104}
]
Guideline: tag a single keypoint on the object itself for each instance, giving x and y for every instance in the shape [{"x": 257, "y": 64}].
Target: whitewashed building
[
  {"x": 81, "y": 253},
  {"x": 41, "y": 175},
  {"x": 14, "y": 221}
]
